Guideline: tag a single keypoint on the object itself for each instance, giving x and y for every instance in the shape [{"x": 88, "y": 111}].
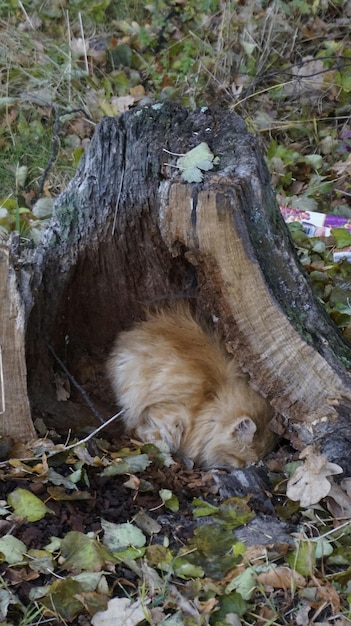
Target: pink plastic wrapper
[{"x": 319, "y": 225}]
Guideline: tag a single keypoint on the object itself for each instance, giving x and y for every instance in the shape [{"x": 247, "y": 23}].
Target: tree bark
[
  {"x": 128, "y": 231},
  {"x": 15, "y": 416}
]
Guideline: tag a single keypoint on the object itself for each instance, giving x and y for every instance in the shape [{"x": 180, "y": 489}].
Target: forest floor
[{"x": 108, "y": 531}]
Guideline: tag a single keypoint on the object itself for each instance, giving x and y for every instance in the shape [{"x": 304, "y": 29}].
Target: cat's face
[{"x": 217, "y": 442}]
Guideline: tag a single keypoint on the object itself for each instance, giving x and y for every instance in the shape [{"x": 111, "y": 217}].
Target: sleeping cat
[{"x": 178, "y": 384}]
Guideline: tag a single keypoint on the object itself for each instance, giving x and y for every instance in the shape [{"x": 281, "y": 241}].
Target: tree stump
[{"x": 129, "y": 231}]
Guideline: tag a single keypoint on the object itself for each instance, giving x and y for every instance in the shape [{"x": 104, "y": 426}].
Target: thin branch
[{"x": 77, "y": 386}]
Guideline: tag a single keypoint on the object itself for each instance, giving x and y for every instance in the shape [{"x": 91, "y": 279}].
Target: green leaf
[
  {"x": 62, "y": 598},
  {"x": 230, "y": 603},
  {"x": 202, "y": 508},
  {"x": 40, "y": 561},
  {"x": 315, "y": 160},
  {"x": 26, "y": 504},
  {"x": 170, "y": 501},
  {"x": 138, "y": 462},
  {"x": 303, "y": 559},
  {"x": 130, "y": 553},
  {"x": 244, "y": 584},
  {"x": 343, "y": 80},
  {"x": 13, "y": 549},
  {"x": 213, "y": 552},
  {"x": 195, "y": 161},
  {"x": 121, "y": 536},
  {"x": 342, "y": 237},
  {"x": 159, "y": 556},
  {"x": 318, "y": 246},
  {"x": 235, "y": 512},
  {"x": 83, "y": 553},
  {"x": 129, "y": 464},
  {"x": 323, "y": 547},
  {"x": 115, "y": 469},
  {"x": 192, "y": 175},
  {"x": 184, "y": 569}
]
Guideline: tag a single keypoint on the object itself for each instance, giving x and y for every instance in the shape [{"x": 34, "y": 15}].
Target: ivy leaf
[{"x": 194, "y": 162}]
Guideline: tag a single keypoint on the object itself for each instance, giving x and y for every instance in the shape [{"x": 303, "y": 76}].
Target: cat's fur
[{"x": 177, "y": 383}]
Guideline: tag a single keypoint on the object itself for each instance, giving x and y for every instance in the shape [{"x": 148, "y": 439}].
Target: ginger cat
[{"x": 178, "y": 384}]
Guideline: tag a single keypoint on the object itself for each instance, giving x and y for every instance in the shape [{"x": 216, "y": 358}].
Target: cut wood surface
[{"x": 129, "y": 231}]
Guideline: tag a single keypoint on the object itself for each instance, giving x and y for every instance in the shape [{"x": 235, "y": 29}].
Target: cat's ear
[{"x": 244, "y": 429}]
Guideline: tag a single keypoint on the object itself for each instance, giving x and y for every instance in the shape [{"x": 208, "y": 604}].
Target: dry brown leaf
[
  {"x": 207, "y": 606},
  {"x": 122, "y": 103},
  {"x": 62, "y": 387},
  {"x": 266, "y": 616},
  {"x": 137, "y": 92},
  {"x": 343, "y": 167},
  {"x": 133, "y": 482},
  {"x": 326, "y": 593},
  {"x": 281, "y": 578},
  {"x": 339, "y": 501},
  {"x": 307, "y": 80},
  {"x": 255, "y": 553},
  {"x": 310, "y": 482}
]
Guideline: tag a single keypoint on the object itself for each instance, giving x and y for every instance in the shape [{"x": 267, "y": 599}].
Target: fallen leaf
[
  {"x": 12, "y": 549},
  {"x": 83, "y": 553},
  {"x": 310, "y": 482},
  {"x": 137, "y": 92},
  {"x": 122, "y": 103},
  {"x": 338, "y": 502},
  {"x": 194, "y": 162},
  {"x": 62, "y": 387},
  {"x": 120, "y": 536},
  {"x": 25, "y": 504},
  {"x": 170, "y": 501},
  {"x": 245, "y": 584},
  {"x": 281, "y": 578},
  {"x": 121, "y": 612},
  {"x": 343, "y": 167},
  {"x": 62, "y": 598}
]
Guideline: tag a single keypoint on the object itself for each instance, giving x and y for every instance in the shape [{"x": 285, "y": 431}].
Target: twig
[
  {"x": 84, "y": 43},
  {"x": 52, "y": 453},
  {"x": 55, "y": 142},
  {"x": 26, "y": 15},
  {"x": 91, "y": 435},
  {"x": 77, "y": 386}
]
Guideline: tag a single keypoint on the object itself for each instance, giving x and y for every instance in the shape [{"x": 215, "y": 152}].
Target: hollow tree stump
[{"x": 128, "y": 231}]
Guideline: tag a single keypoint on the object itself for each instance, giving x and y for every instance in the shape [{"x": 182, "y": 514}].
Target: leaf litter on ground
[{"x": 184, "y": 563}]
